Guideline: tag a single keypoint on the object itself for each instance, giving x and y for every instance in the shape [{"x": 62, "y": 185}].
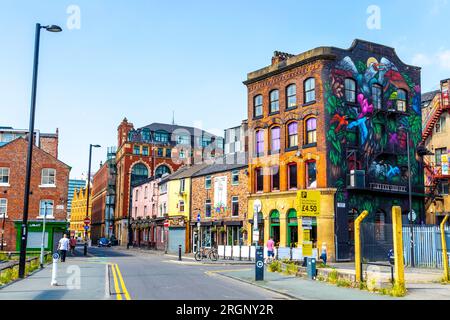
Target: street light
[
  {"x": 23, "y": 232},
  {"x": 88, "y": 192},
  {"x": 411, "y": 229}
]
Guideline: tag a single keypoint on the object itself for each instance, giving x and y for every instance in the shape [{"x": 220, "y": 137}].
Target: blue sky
[{"x": 142, "y": 59}]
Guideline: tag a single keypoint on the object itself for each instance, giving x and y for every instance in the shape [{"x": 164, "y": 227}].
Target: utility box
[{"x": 311, "y": 268}]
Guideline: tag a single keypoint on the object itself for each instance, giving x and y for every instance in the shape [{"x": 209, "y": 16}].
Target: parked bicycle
[{"x": 204, "y": 253}]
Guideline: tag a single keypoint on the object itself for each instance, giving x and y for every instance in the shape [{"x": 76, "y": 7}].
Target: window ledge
[
  {"x": 309, "y": 103},
  {"x": 258, "y": 117},
  {"x": 274, "y": 113},
  {"x": 5, "y": 185},
  {"x": 274, "y": 152},
  {"x": 291, "y": 149},
  {"x": 310, "y": 145},
  {"x": 291, "y": 108},
  {"x": 47, "y": 186}
]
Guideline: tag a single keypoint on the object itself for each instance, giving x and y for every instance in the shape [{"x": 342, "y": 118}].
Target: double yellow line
[{"x": 119, "y": 283}]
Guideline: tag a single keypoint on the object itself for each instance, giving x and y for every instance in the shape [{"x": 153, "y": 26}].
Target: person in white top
[{"x": 63, "y": 246}]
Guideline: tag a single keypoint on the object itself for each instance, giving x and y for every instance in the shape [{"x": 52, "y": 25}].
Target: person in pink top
[{"x": 270, "y": 248}]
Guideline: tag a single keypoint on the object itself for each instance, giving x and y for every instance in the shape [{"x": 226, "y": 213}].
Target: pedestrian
[
  {"x": 323, "y": 254},
  {"x": 270, "y": 249},
  {"x": 72, "y": 243},
  {"x": 63, "y": 246}
]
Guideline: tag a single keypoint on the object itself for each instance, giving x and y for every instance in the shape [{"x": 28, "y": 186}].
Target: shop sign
[
  {"x": 220, "y": 193},
  {"x": 309, "y": 203},
  {"x": 307, "y": 248}
]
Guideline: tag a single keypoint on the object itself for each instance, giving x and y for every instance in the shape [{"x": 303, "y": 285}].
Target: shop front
[
  {"x": 177, "y": 234},
  {"x": 54, "y": 231},
  {"x": 292, "y": 229}
]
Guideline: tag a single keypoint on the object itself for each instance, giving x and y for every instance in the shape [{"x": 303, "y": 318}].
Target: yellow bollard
[
  {"x": 358, "y": 221},
  {"x": 399, "y": 267},
  {"x": 444, "y": 249}
]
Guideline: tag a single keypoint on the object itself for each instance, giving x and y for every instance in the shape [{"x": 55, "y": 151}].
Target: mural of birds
[
  {"x": 361, "y": 124},
  {"x": 340, "y": 120},
  {"x": 392, "y": 172},
  {"x": 365, "y": 106},
  {"x": 416, "y": 103},
  {"x": 393, "y": 138}
]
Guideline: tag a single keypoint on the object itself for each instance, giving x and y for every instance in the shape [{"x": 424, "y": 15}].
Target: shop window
[
  {"x": 275, "y": 226},
  {"x": 311, "y": 175},
  {"x": 292, "y": 230},
  {"x": 292, "y": 176}
]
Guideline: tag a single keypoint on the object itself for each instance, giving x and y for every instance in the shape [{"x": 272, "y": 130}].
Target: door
[{"x": 177, "y": 237}]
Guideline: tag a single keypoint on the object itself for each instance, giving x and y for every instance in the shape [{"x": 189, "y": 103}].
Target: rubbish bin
[{"x": 311, "y": 268}]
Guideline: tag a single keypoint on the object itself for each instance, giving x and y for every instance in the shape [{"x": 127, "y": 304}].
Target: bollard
[
  {"x": 85, "y": 249},
  {"x": 55, "y": 269},
  {"x": 179, "y": 252}
]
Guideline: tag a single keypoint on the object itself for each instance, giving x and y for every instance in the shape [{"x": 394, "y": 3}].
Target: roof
[
  {"x": 428, "y": 96},
  {"x": 170, "y": 128}
]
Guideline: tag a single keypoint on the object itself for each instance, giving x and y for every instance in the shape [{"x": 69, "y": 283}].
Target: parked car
[{"x": 103, "y": 242}]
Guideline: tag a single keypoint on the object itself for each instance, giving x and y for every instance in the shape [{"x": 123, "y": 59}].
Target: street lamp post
[
  {"x": 43, "y": 235},
  {"x": 3, "y": 231},
  {"x": 23, "y": 230},
  {"x": 88, "y": 192}
]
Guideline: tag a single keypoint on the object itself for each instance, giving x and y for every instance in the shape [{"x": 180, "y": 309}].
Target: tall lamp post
[
  {"x": 23, "y": 231},
  {"x": 411, "y": 229},
  {"x": 88, "y": 192},
  {"x": 3, "y": 231}
]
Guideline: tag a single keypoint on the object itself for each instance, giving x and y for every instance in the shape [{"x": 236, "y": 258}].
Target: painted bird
[
  {"x": 361, "y": 124},
  {"x": 392, "y": 172},
  {"x": 341, "y": 120},
  {"x": 365, "y": 106},
  {"x": 393, "y": 138}
]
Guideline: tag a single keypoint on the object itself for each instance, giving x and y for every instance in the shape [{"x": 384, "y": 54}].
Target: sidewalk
[{"x": 79, "y": 278}]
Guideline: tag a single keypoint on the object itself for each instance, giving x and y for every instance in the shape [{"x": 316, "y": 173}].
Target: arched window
[
  {"x": 139, "y": 172},
  {"x": 161, "y": 170},
  {"x": 291, "y": 96},
  {"x": 274, "y": 101},
  {"x": 350, "y": 90},
  {"x": 258, "y": 106},
  {"x": 292, "y": 134},
  {"x": 310, "y": 90},
  {"x": 259, "y": 142},
  {"x": 275, "y": 226},
  {"x": 402, "y": 100},
  {"x": 377, "y": 94},
  {"x": 275, "y": 139},
  {"x": 380, "y": 220},
  {"x": 311, "y": 130}
]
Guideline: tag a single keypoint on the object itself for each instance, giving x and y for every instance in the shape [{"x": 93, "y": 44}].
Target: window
[
  {"x": 208, "y": 182},
  {"x": 275, "y": 140},
  {"x": 438, "y": 154},
  {"x": 145, "y": 151},
  {"x": 291, "y": 96},
  {"x": 275, "y": 176},
  {"x": 182, "y": 185},
  {"x": 380, "y": 220},
  {"x": 137, "y": 195},
  {"x": 168, "y": 153},
  {"x": 311, "y": 175},
  {"x": 377, "y": 96},
  {"x": 182, "y": 154},
  {"x": 259, "y": 142},
  {"x": 4, "y": 176},
  {"x": 235, "y": 177},
  {"x": 208, "y": 208},
  {"x": 181, "y": 205},
  {"x": 443, "y": 189},
  {"x": 136, "y": 150},
  {"x": 184, "y": 139},
  {"x": 46, "y": 207},
  {"x": 145, "y": 211},
  {"x": 162, "y": 170},
  {"x": 292, "y": 135},
  {"x": 3, "y": 207},
  {"x": 258, "y": 106},
  {"x": 139, "y": 172},
  {"x": 206, "y": 142},
  {"x": 311, "y": 126},
  {"x": 440, "y": 124},
  {"x": 350, "y": 90},
  {"x": 161, "y": 136},
  {"x": 145, "y": 192},
  {"x": 48, "y": 177},
  {"x": 401, "y": 100},
  {"x": 292, "y": 176},
  {"x": 259, "y": 178},
  {"x": 310, "y": 90},
  {"x": 160, "y": 152},
  {"x": 234, "y": 206},
  {"x": 274, "y": 101}
]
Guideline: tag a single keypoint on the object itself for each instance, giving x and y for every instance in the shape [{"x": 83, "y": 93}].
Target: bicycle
[{"x": 210, "y": 253}]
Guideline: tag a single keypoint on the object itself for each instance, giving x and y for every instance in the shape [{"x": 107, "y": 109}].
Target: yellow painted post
[
  {"x": 444, "y": 249},
  {"x": 358, "y": 221},
  {"x": 300, "y": 232},
  {"x": 283, "y": 229},
  {"x": 399, "y": 267}
]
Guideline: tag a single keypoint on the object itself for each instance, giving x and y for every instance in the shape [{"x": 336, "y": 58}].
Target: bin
[{"x": 311, "y": 268}]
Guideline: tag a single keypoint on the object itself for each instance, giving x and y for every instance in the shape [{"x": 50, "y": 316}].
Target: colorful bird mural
[
  {"x": 340, "y": 120},
  {"x": 365, "y": 106},
  {"x": 393, "y": 138},
  {"x": 392, "y": 172},
  {"x": 361, "y": 124}
]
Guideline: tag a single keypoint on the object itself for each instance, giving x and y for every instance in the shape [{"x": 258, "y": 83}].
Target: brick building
[
  {"x": 219, "y": 196},
  {"x": 48, "y": 191},
  {"x": 334, "y": 121},
  {"x": 152, "y": 151}
]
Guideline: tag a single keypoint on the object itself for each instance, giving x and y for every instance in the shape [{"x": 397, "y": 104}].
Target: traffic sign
[
  {"x": 87, "y": 220},
  {"x": 56, "y": 256},
  {"x": 86, "y": 228},
  {"x": 198, "y": 217},
  {"x": 166, "y": 223}
]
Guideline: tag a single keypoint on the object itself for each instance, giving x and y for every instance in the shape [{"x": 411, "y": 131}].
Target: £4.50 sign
[{"x": 308, "y": 203}]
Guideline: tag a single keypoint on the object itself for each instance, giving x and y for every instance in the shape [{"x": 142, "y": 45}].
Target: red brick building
[
  {"x": 48, "y": 191},
  {"x": 152, "y": 151}
]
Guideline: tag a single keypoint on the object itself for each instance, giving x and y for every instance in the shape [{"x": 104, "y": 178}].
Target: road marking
[
  {"x": 116, "y": 284},
  {"x": 122, "y": 283}
]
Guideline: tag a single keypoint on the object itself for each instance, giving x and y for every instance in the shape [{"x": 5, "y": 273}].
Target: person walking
[
  {"x": 63, "y": 246},
  {"x": 72, "y": 243},
  {"x": 270, "y": 249}
]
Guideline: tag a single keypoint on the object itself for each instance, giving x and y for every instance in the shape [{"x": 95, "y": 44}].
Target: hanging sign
[{"x": 308, "y": 203}]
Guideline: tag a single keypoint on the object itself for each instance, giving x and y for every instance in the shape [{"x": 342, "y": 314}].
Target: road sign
[
  {"x": 308, "y": 203},
  {"x": 166, "y": 224},
  {"x": 199, "y": 217},
  {"x": 259, "y": 264},
  {"x": 87, "y": 220},
  {"x": 56, "y": 256},
  {"x": 255, "y": 235},
  {"x": 257, "y": 206},
  {"x": 86, "y": 228}
]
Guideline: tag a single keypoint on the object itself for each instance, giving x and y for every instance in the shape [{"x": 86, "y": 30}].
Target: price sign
[{"x": 308, "y": 203}]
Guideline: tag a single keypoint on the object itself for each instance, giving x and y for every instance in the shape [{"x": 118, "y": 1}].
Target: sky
[{"x": 144, "y": 59}]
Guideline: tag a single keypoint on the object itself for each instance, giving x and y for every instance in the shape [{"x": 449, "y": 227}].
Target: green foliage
[
  {"x": 361, "y": 66},
  {"x": 275, "y": 266},
  {"x": 333, "y": 276},
  {"x": 3, "y": 256},
  {"x": 291, "y": 269},
  {"x": 408, "y": 81},
  {"x": 363, "y": 285},
  {"x": 332, "y": 104},
  {"x": 320, "y": 278},
  {"x": 343, "y": 283}
]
